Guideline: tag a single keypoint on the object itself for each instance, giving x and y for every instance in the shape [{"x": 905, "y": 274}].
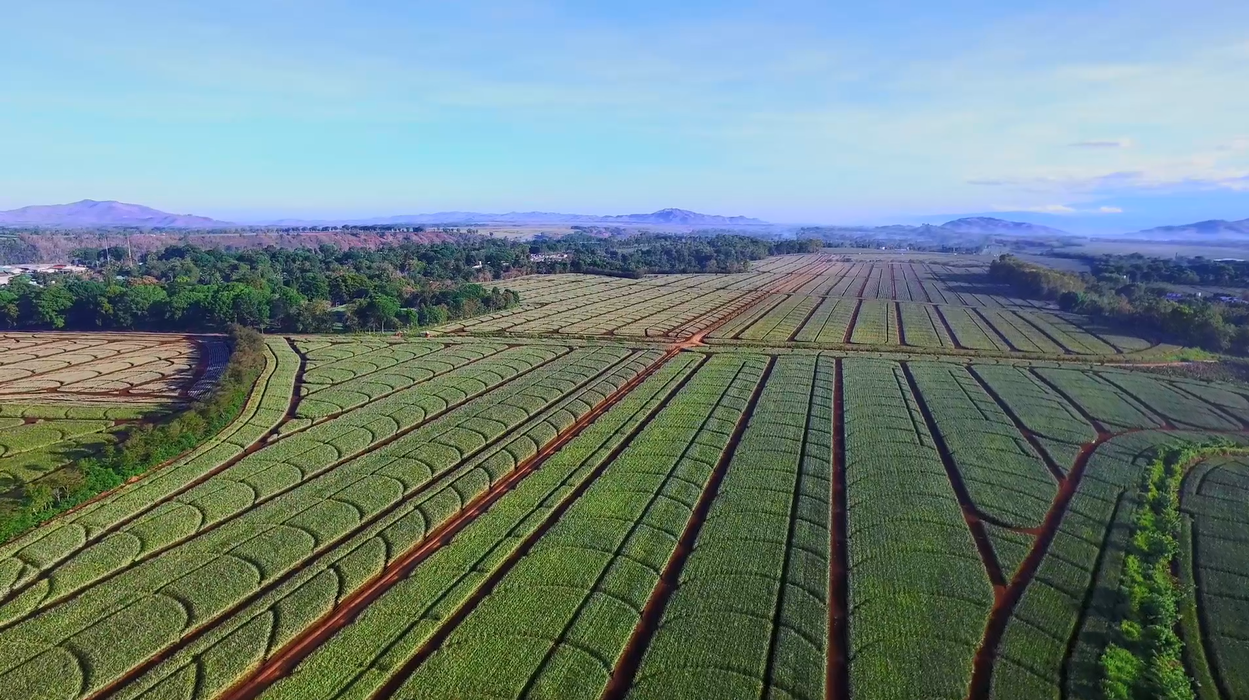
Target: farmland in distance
[{"x": 827, "y": 477}]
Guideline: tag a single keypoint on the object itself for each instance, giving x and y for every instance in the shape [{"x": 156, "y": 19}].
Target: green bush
[{"x": 1146, "y": 660}]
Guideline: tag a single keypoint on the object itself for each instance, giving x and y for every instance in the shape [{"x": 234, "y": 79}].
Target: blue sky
[{"x": 790, "y": 111}]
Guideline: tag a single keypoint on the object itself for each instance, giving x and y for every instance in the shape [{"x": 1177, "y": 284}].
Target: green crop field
[
  {"x": 829, "y": 477},
  {"x": 63, "y": 395}
]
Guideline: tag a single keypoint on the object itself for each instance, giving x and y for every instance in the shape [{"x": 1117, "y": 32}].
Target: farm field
[
  {"x": 691, "y": 486},
  {"x": 62, "y": 395},
  {"x": 817, "y": 300}
]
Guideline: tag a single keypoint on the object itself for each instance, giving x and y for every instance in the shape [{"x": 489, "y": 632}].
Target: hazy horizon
[{"x": 1071, "y": 114}]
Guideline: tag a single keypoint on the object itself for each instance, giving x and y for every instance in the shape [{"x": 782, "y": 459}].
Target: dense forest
[
  {"x": 1197, "y": 322},
  {"x": 187, "y": 288}
]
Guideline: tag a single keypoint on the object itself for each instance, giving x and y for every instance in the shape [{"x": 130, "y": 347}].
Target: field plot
[
  {"x": 840, "y": 304},
  {"x": 876, "y": 324},
  {"x": 1217, "y": 554},
  {"x": 96, "y": 368},
  {"x": 915, "y": 615},
  {"x": 682, "y": 486},
  {"x": 62, "y": 395}
]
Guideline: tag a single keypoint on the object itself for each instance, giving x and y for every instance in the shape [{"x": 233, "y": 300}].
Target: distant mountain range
[
  {"x": 663, "y": 217},
  {"x": 953, "y": 231},
  {"x": 1214, "y": 228},
  {"x": 987, "y": 225},
  {"x": 90, "y": 213}
]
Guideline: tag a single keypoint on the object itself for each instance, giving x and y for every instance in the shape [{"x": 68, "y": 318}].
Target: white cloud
[
  {"x": 1110, "y": 143},
  {"x": 1046, "y": 209},
  {"x": 1240, "y": 143},
  {"x": 1109, "y": 210}
]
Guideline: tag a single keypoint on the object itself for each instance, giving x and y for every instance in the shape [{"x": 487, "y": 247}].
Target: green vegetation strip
[
  {"x": 1215, "y": 567},
  {"x": 145, "y": 447},
  {"x": 27, "y": 557},
  {"x": 1146, "y": 658},
  {"x": 749, "y": 615},
  {"x": 917, "y": 613}
]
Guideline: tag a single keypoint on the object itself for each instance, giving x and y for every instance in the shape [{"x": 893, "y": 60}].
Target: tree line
[
  {"x": 1196, "y": 322},
  {"x": 188, "y": 288},
  {"x": 1138, "y": 269}
]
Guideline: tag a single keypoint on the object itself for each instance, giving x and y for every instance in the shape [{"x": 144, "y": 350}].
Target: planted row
[
  {"x": 749, "y": 616},
  {"x": 918, "y": 593},
  {"x": 196, "y": 582},
  {"x": 282, "y": 611},
  {"x": 29, "y": 556},
  {"x": 364, "y": 655},
  {"x": 263, "y": 478},
  {"x": 559, "y": 619}
]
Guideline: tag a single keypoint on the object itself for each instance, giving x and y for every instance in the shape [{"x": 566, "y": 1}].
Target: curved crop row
[
  {"x": 371, "y": 386},
  {"x": 1004, "y": 476},
  {"x": 284, "y": 610},
  {"x": 265, "y": 480},
  {"x": 265, "y": 543},
  {"x": 33, "y": 554},
  {"x": 1055, "y": 423}
]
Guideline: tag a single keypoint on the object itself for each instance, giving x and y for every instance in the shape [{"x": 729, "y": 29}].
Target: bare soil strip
[{"x": 837, "y": 670}]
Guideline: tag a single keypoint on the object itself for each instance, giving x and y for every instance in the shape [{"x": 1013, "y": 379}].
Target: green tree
[
  {"x": 50, "y": 305},
  {"x": 9, "y": 309},
  {"x": 139, "y": 306}
]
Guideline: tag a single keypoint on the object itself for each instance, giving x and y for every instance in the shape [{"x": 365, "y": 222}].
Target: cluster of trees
[
  {"x": 189, "y": 288},
  {"x": 184, "y": 287},
  {"x": 1197, "y": 322},
  {"x": 1138, "y": 269},
  {"x": 143, "y": 445},
  {"x": 666, "y": 254},
  {"x": 15, "y": 251}
]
